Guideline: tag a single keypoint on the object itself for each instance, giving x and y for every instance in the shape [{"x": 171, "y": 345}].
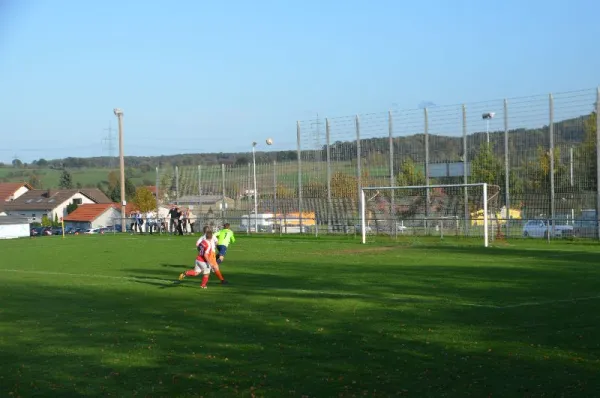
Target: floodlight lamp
[
  {"x": 254, "y": 143},
  {"x": 488, "y": 115},
  {"x": 118, "y": 112}
]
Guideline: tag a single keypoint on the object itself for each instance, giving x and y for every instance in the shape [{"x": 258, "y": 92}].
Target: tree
[
  {"x": 71, "y": 207},
  {"x": 42, "y": 163},
  {"x": 66, "y": 181},
  {"x": 589, "y": 151},
  {"x": 34, "y": 181},
  {"x": 409, "y": 175},
  {"x": 284, "y": 192},
  {"x": 344, "y": 186},
  {"x": 144, "y": 199},
  {"x": 17, "y": 163},
  {"x": 46, "y": 221},
  {"x": 115, "y": 193},
  {"x": 113, "y": 180},
  {"x": 56, "y": 222}
]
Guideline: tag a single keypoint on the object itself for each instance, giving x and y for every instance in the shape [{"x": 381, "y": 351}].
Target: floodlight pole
[
  {"x": 487, "y": 117},
  {"x": 119, "y": 114},
  {"x": 255, "y": 193}
]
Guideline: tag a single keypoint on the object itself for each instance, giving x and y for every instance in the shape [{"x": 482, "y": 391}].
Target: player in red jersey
[{"x": 206, "y": 257}]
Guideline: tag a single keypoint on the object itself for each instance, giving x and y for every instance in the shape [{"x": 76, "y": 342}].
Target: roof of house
[
  {"x": 42, "y": 199},
  {"x": 13, "y": 220},
  {"x": 88, "y": 212},
  {"x": 151, "y": 188},
  {"x": 8, "y": 189}
]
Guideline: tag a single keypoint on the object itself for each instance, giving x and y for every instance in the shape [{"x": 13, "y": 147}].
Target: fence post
[
  {"x": 598, "y": 162},
  {"x": 223, "y": 203},
  {"x": 274, "y": 190},
  {"x": 551, "y": 156},
  {"x": 248, "y": 196},
  {"x": 358, "y": 161},
  {"x": 298, "y": 138},
  {"x": 177, "y": 185},
  {"x": 392, "y": 179},
  {"x": 157, "y": 196},
  {"x": 465, "y": 168},
  {"x": 199, "y": 181},
  {"x": 427, "y": 193},
  {"x": 506, "y": 171},
  {"x": 328, "y": 154}
]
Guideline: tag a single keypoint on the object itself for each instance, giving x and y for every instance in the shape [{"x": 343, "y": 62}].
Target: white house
[
  {"x": 10, "y": 191},
  {"x": 37, "y": 203},
  {"x": 89, "y": 216},
  {"x": 13, "y": 227}
]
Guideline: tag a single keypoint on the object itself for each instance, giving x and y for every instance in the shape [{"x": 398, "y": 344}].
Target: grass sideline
[{"x": 324, "y": 317}]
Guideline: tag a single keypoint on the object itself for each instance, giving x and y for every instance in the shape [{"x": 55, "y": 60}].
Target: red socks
[
  {"x": 190, "y": 272},
  {"x": 204, "y": 280},
  {"x": 218, "y": 274}
]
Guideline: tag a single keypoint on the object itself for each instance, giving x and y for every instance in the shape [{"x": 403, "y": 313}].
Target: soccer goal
[{"x": 464, "y": 210}]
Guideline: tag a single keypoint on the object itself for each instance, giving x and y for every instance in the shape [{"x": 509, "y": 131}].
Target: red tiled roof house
[
  {"x": 12, "y": 190},
  {"x": 37, "y": 203},
  {"x": 90, "y": 216}
]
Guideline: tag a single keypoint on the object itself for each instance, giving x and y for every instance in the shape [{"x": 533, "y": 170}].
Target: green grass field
[{"x": 326, "y": 317}]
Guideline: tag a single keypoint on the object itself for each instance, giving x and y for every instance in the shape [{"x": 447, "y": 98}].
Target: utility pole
[{"x": 119, "y": 114}]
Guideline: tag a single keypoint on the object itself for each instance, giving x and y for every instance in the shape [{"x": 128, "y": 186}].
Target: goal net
[{"x": 463, "y": 210}]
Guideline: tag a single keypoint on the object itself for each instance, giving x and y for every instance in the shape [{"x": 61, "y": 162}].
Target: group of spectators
[{"x": 179, "y": 222}]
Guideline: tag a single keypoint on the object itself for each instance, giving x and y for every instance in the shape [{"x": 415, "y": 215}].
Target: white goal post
[{"x": 452, "y": 201}]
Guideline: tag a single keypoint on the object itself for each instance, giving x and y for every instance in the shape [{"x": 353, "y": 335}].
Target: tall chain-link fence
[{"x": 539, "y": 151}]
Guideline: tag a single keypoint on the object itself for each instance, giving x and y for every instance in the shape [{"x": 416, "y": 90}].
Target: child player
[
  {"x": 213, "y": 260},
  {"x": 224, "y": 238},
  {"x": 206, "y": 255}
]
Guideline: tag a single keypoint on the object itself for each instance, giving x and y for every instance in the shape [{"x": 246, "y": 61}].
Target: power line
[{"x": 109, "y": 140}]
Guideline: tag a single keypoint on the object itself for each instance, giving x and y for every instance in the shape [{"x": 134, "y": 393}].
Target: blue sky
[{"x": 197, "y": 76}]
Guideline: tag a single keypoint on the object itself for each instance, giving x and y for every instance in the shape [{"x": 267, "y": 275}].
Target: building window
[{"x": 77, "y": 201}]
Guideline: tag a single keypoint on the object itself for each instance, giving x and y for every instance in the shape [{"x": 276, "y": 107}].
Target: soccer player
[
  {"x": 203, "y": 260},
  {"x": 224, "y": 238},
  {"x": 213, "y": 261}
]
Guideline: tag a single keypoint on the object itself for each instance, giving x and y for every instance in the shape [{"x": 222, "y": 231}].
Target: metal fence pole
[
  {"x": 248, "y": 196},
  {"x": 394, "y": 226},
  {"x": 427, "y": 193},
  {"x": 328, "y": 154},
  {"x": 274, "y": 189},
  {"x": 157, "y": 196},
  {"x": 465, "y": 168},
  {"x": 551, "y": 156},
  {"x": 598, "y": 162},
  {"x": 223, "y": 203},
  {"x": 506, "y": 171},
  {"x": 177, "y": 185},
  {"x": 358, "y": 161},
  {"x": 298, "y": 139},
  {"x": 199, "y": 182}
]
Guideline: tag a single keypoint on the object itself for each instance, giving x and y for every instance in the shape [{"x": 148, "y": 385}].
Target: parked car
[
  {"x": 92, "y": 231},
  {"x": 585, "y": 228},
  {"x": 541, "y": 229}
]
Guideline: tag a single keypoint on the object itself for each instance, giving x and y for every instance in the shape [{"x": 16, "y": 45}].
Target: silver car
[{"x": 541, "y": 229}]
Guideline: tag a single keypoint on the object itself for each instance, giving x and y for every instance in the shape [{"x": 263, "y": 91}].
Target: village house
[
  {"x": 37, "y": 203},
  {"x": 89, "y": 216}
]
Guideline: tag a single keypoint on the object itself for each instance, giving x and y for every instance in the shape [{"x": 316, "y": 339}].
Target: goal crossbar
[{"x": 363, "y": 203}]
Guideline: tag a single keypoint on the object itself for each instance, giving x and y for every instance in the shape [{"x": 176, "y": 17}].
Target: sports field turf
[{"x": 327, "y": 317}]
